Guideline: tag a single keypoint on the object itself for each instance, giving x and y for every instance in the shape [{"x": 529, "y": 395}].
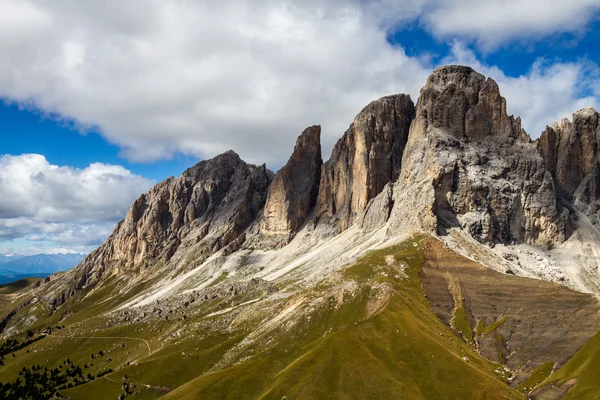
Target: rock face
[
  {"x": 466, "y": 105},
  {"x": 210, "y": 204},
  {"x": 293, "y": 192},
  {"x": 486, "y": 176},
  {"x": 456, "y": 160},
  {"x": 364, "y": 160},
  {"x": 572, "y": 155}
]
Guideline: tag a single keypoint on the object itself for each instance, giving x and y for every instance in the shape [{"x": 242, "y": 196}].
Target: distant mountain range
[{"x": 38, "y": 264}]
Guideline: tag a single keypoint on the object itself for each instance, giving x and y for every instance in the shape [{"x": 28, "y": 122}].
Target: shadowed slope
[{"x": 525, "y": 323}]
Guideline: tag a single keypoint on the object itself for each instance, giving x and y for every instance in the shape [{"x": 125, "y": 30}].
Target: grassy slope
[
  {"x": 16, "y": 286},
  {"x": 537, "y": 376},
  {"x": 86, "y": 309},
  {"x": 460, "y": 322},
  {"x": 404, "y": 351},
  {"x": 584, "y": 369}
]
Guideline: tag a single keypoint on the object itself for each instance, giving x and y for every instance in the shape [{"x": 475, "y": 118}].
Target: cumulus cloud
[
  {"x": 492, "y": 23},
  {"x": 202, "y": 77},
  {"x": 69, "y": 206},
  {"x": 199, "y": 78}
]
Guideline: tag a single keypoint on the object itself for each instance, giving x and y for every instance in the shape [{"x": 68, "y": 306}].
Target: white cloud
[
  {"x": 547, "y": 93},
  {"x": 489, "y": 23},
  {"x": 203, "y": 77},
  {"x": 65, "y": 205},
  {"x": 63, "y": 250},
  {"x": 492, "y": 23},
  {"x": 160, "y": 77}
]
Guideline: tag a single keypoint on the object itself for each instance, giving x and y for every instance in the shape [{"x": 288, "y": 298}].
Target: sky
[{"x": 100, "y": 100}]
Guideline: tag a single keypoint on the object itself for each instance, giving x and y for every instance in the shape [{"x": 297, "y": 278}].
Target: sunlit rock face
[
  {"x": 572, "y": 155},
  {"x": 485, "y": 174},
  {"x": 364, "y": 160},
  {"x": 210, "y": 205}
]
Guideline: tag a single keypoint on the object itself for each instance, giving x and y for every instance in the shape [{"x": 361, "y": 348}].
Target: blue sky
[
  {"x": 104, "y": 100},
  {"x": 26, "y": 130},
  {"x": 514, "y": 58}
]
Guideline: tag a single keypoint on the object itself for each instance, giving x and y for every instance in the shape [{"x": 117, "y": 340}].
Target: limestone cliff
[
  {"x": 364, "y": 160},
  {"x": 293, "y": 192},
  {"x": 572, "y": 155},
  {"x": 475, "y": 167}
]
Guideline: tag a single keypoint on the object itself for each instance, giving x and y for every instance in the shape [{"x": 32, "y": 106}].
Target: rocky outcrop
[
  {"x": 457, "y": 160},
  {"x": 364, "y": 160},
  {"x": 293, "y": 192},
  {"x": 210, "y": 205},
  {"x": 486, "y": 176},
  {"x": 466, "y": 105},
  {"x": 572, "y": 155}
]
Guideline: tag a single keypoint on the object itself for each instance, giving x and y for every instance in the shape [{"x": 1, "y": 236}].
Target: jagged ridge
[
  {"x": 456, "y": 160},
  {"x": 230, "y": 259}
]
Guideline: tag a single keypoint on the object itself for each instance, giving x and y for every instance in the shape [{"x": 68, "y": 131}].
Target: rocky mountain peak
[
  {"x": 293, "y": 192},
  {"x": 464, "y": 103},
  {"x": 460, "y": 76},
  {"x": 206, "y": 208},
  {"x": 487, "y": 177},
  {"x": 365, "y": 159},
  {"x": 571, "y": 153}
]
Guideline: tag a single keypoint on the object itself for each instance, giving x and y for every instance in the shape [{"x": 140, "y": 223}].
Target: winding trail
[
  {"x": 102, "y": 337},
  {"x": 147, "y": 386},
  {"x": 228, "y": 309}
]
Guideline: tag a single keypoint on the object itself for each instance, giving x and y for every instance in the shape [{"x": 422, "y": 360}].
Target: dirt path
[
  {"x": 103, "y": 337},
  {"x": 147, "y": 386},
  {"x": 226, "y": 310}
]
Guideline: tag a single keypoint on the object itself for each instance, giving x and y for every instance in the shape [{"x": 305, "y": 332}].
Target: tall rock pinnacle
[
  {"x": 571, "y": 153},
  {"x": 365, "y": 159},
  {"x": 293, "y": 192},
  {"x": 485, "y": 175},
  {"x": 463, "y": 102}
]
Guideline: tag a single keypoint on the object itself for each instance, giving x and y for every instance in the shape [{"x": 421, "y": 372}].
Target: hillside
[{"x": 439, "y": 253}]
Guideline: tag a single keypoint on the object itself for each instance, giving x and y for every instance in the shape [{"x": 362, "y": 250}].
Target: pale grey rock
[
  {"x": 487, "y": 177},
  {"x": 571, "y": 153},
  {"x": 378, "y": 210},
  {"x": 208, "y": 208}
]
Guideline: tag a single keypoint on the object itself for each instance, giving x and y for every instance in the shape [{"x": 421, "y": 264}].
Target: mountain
[
  {"x": 7, "y": 258},
  {"x": 39, "y": 263},
  {"x": 439, "y": 253}
]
